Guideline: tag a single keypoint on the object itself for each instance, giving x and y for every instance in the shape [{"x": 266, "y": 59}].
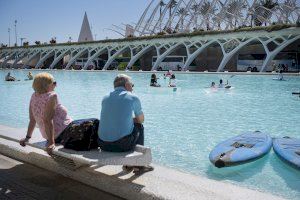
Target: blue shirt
[{"x": 116, "y": 120}]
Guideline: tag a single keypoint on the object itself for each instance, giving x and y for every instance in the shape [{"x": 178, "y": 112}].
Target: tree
[
  {"x": 287, "y": 8},
  {"x": 181, "y": 12},
  {"x": 161, "y": 4},
  {"x": 268, "y": 4},
  {"x": 195, "y": 8},
  {"x": 171, "y": 6},
  {"x": 37, "y": 42},
  {"x": 206, "y": 10},
  {"x": 263, "y": 12},
  {"x": 53, "y": 41},
  {"x": 234, "y": 11}
]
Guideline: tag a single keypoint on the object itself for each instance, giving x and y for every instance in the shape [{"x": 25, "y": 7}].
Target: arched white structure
[{"x": 231, "y": 43}]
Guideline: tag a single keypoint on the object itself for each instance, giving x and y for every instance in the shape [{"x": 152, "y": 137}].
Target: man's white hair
[{"x": 121, "y": 80}]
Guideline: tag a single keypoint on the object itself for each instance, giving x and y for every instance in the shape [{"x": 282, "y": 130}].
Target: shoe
[
  {"x": 142, "y": 169},
  {"x": 127, "y": 168}
]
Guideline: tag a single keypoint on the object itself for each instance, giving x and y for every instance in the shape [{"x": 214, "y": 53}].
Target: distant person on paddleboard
[
  {"x": 226, "y": 86},
  {"x": 30, "y": 76},
  {"x": 8, "y": 77}
]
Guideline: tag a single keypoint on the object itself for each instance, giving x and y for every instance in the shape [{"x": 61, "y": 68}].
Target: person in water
[
  {"x": 221, "y": 85},
  {"x": 169, "y": 73},
  {"x": 8, "y": 77},
  {"x": 280, "y": 75},
  {"x": 30, "y": 76},
  {"x": 153, "y": 81},
  {"x": 172, "y": 81},
  {"x": 213, "y": 85}
]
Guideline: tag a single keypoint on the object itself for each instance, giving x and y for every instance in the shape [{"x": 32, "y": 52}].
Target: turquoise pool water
[{"x": 182, "y": 127}]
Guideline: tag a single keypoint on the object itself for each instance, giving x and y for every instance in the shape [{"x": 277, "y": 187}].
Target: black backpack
[{"x": 81, "y": 135}]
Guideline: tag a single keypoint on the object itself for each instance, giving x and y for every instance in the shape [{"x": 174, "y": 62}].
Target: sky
[{"x": 41, "y": 20}]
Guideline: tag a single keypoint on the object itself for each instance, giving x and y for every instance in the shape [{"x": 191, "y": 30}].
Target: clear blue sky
[{"x": 43, "y": 19}]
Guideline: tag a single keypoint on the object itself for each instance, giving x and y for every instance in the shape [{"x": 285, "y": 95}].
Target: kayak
[
  {"x": 288, "y": 149},
  {"x": 241, "y": 149}
]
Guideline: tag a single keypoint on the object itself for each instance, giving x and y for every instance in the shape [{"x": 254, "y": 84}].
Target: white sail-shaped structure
[{"x": 85, "y": 32}]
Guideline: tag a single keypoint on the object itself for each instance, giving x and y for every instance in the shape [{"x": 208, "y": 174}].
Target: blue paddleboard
[
  {"x": 288, "y": 149},
  {"x": 241, "y": 149}
]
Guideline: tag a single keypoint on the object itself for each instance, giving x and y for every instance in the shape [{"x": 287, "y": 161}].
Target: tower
[{"x": 85, "y": 32}]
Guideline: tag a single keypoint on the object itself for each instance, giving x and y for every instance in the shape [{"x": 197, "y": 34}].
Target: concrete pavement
[{"x": 23, "y": 181}]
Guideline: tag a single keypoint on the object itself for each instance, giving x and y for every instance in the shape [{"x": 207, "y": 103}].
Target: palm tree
[
  {"x": 181, "y": 12},
  {"x": 269, "y": 4},
  {"x": 206, "y": 10},
  {"x": 171, "y": 6},
  {"x": 161, "y": 4},
  {"x": 287, "y": 8},
  {"x": 195, "y": 8},
  {"x": 234, "y": 10},
  {"x": 262, "y": 11}
]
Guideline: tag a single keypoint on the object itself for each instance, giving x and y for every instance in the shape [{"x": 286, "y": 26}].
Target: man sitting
[{"x": 119, "y": 131}]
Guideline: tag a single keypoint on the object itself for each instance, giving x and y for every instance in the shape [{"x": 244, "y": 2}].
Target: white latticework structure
[{"x": 176, "y": 16}]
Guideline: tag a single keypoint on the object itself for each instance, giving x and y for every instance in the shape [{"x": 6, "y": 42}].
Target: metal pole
[
  {"x": 8, "y": 37},
  {"x": 16, "y": 33},
  {"x": 22, "y": 40}
]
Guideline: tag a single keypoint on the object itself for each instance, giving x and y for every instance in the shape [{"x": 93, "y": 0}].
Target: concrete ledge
[{"x": 162, "y": 183}]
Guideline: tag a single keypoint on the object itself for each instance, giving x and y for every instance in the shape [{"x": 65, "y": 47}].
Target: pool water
[{"x": 182, "y": 127}]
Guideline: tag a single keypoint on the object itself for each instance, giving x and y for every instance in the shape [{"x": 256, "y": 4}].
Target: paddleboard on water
[
  {"x": 241, "y": 149},
  {"x": 278, "y": 79},
  {"x": 288, "y": 149}
]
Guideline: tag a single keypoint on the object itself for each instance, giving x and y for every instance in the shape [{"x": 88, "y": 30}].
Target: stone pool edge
[{"x": 162, "y": 183}]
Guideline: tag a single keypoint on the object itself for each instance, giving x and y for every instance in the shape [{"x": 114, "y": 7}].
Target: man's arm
[
  {"x": 139, "y": 119},
  {"x": 137, "y": 108}
]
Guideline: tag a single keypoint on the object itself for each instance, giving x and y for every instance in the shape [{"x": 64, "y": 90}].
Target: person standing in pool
[
  {"x": 280, "y": 75},
  {"x": 172, "y": 81},
  {"x": 221, "y": 85},
  {"x": 153, "y": 81}
]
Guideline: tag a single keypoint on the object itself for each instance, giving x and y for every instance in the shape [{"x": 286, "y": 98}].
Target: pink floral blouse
[{"x": 61, "y": 118}]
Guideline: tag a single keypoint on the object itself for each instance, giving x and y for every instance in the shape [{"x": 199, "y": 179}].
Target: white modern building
[{"x": 188, "y": 35}]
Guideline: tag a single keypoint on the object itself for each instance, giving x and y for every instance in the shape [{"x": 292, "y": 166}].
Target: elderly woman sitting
[{"x": 46, "y": 111}]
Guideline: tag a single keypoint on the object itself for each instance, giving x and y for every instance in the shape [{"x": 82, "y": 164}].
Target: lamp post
[
  {"x": 16, "y": 44},
  {"x": 22, "y": 40},
  {"x": 8, "y": 37}
]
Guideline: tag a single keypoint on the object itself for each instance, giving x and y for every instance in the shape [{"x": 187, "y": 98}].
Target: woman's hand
[
  {"x": 24, "y": 141},
  {"x": 50, "y": 147}
]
